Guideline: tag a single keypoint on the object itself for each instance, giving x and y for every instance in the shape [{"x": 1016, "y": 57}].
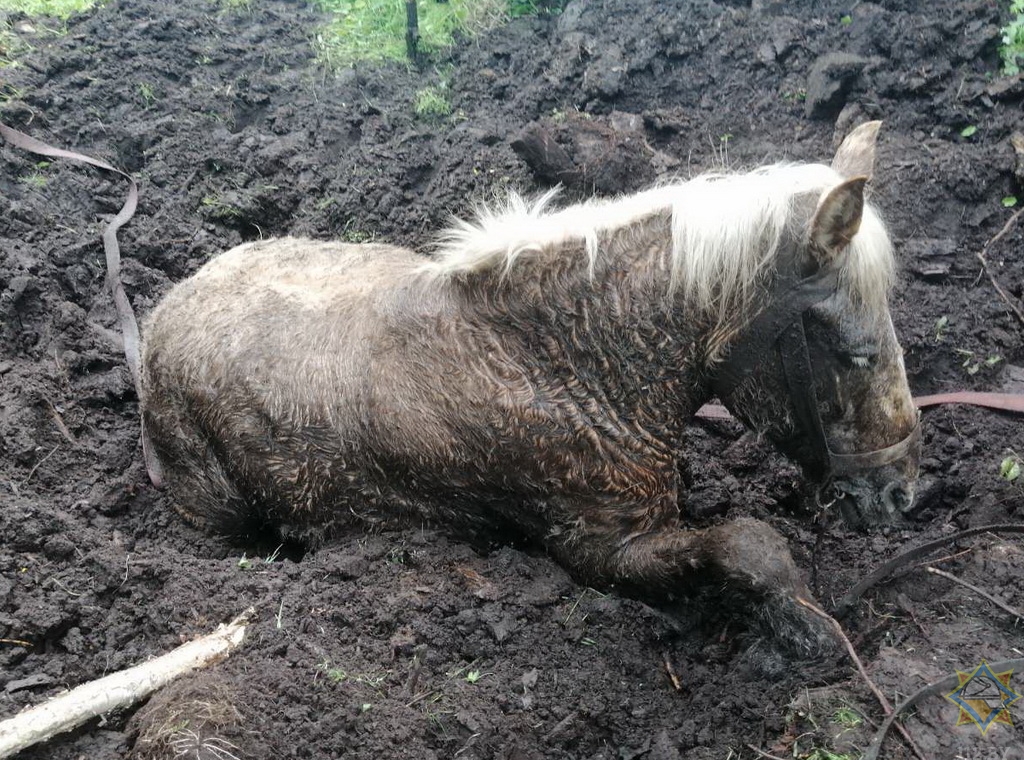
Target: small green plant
[
  {"x": 432, "y": 103},
  {"x": 940, "y": 327},
  {"x": 352, "y": 234},
  {"x": 1010, "y": 468},
  {"x": 846, "y": 20},
  {"x": 36, "y": 180},
  {"x": 847, "y": 717},
  {"x": 968, "y": 131},
  {"x": 244, "y": 563},
  {"x": 1009, "y": 201},
  {"x": 147, "y": 93},
  {"x": 335, "y": 674},
  {"x": 474, "y": 675},
  {"x": 338, "y": 675},
  {"x": 973, "y": 365},
  {"x": 1012, "y": 49},
  {"x": 217, "y": 208}
]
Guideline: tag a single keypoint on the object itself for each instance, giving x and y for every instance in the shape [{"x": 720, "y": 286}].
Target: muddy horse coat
[{"x": 534, "y": 376}]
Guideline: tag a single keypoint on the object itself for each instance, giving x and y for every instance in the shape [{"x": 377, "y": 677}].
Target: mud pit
[{"x": 364, "y": 647}]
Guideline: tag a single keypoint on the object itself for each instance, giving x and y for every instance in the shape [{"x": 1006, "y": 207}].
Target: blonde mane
[{"x": 726, "y": 230}]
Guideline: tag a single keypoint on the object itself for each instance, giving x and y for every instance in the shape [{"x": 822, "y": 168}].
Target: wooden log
[{"x": 118, "y": 690}]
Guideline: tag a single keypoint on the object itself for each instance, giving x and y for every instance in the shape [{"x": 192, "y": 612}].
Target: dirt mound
[{"x": 410, "y": 644}]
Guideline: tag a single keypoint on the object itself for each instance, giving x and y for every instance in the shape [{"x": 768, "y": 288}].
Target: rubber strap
[{"x": 126, "y": 317}]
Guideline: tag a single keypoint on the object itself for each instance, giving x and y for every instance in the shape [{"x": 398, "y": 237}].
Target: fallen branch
[
  {"x": 984, "y": 264},
  {"x": 890, "y": 567},
  {"x": 980, "y": 592},
  {"x": 118, "y": 690},
  {"x": 886, "y": 707},
  {"x": 676, "y": 683}
]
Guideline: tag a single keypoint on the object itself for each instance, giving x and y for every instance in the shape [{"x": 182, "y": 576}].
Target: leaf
[
  {"x": 968, "y": 130},
  {"x": 1009, "y": 469},
  {"x": 1009, "y": 201}
]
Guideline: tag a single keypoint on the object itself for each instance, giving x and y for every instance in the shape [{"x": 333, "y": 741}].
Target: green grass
[
  {"x": 1012, "y": 49},
  {"x": 12, "y": 45},
  {"x": 432, "y": 103},
  {"x": 374, "y": 30},
  {"x": 62, "y": 9}
]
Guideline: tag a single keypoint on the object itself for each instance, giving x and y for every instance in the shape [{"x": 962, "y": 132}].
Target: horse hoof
[
  {"x": 799, "y": 633},
  {"x": 763, "y": 661}
]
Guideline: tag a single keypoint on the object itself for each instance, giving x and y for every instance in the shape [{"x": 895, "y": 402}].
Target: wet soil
[{"x": 409, "y": 643}]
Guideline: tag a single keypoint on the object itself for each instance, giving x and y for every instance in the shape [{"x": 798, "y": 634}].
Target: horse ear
[
  {"x": 837, "y": 219},
  {"x": 856, "y": 156}
]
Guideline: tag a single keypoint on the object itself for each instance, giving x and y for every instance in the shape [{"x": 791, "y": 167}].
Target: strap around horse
[
  {"x": 748, "y": 353},
  {"x": 796, "y": 363},
  {"x": 781, "y": 326}
]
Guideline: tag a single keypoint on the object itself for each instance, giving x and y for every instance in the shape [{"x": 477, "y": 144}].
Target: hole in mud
[{"x": 269, "y": 541}]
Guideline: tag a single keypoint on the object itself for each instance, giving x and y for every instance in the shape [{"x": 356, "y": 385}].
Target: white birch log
[{"x": 118, "y": 690}]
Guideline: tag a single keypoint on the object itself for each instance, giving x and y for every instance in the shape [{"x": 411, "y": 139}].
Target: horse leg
[{"x": 745, "y": 561}]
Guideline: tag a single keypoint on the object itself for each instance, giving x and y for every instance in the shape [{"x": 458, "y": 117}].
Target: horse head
[{"x": 819, "y": 370}]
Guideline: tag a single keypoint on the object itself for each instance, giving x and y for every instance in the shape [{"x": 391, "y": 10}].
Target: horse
[{"x": 533, "y": 378}]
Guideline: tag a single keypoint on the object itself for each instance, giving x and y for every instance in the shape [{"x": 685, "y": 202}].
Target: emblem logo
[{"x": 984, "y": 697}]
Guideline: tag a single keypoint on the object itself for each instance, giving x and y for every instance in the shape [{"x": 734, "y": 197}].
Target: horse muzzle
[
  {"x": 866, "y": 502},
  {"x": 877, "y": 488}
]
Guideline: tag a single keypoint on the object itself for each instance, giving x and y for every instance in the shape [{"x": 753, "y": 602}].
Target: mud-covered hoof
[
  {"x": 798, "y": 632},
  {"x": 786, "y": 634},
  {"x": 763, "y": 660}
]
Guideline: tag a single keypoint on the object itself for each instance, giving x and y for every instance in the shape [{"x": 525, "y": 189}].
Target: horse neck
[{"x": 608, "y": 339}]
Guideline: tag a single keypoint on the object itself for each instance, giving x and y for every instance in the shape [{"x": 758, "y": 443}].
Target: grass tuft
[
  {"x": 432, "y": 103},
  {"x": 374, "y": 30},
  {"x": 62, "y": 9}
]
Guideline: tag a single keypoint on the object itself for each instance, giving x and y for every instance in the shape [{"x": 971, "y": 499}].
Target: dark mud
[{"x": 364, "y": 648}]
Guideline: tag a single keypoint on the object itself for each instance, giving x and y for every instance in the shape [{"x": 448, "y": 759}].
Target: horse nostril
[{"x": 898, "y": 497}]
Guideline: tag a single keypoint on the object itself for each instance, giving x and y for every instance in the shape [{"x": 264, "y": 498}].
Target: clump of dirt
[{"x": 408, "y": 643}]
